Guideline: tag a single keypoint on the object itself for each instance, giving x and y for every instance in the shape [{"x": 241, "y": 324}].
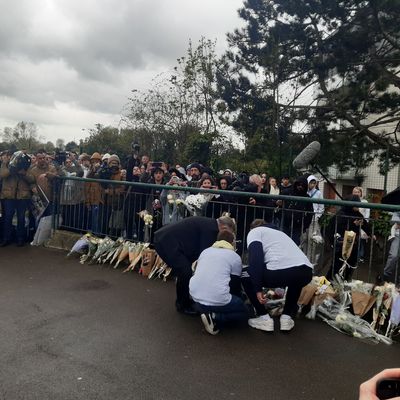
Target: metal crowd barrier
[{"x": 113, "y": 208}]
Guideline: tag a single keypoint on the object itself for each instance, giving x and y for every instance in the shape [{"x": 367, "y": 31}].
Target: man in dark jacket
[
  {"x": 181, "y": 243},
  {"x": 297, "y": 214}
]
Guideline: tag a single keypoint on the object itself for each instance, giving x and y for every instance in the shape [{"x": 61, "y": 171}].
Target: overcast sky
[{"x": 69, "y": 64}]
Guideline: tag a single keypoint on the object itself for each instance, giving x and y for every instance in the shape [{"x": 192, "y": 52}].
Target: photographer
[
  {"x": 44, "y": 173},
  {"x": 16, "y": 194}
]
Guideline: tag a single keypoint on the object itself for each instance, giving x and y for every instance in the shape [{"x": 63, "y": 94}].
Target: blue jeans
[
  {"x": 234, "y": 311},
  {"x": 10, "y": 207}
]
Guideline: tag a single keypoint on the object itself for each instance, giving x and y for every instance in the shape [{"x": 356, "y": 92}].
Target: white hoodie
[{"x": 316, "y": 194}]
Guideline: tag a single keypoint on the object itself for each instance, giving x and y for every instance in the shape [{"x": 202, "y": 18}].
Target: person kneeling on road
[
  {"x": 217, "y": 276},
  {"x": 274, "y": 261},
  {"x": 181, "y": 243}
]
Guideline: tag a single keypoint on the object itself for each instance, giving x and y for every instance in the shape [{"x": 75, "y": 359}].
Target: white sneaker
[
  {"x": 287, "y": 323},
  {"x": 264, "y": 323},
  {"x": 209, "y": 324}
]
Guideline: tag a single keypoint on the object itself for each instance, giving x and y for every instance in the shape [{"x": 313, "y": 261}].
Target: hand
[
  {"x": 252, "y": 201},
  {"x": 261, "y": 297},
  {"x": 34, "y": 190},
  {"x": 279, "y": 202},
  {"x": 368, "y": 388}
]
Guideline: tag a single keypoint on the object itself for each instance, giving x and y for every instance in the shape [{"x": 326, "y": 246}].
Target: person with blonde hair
[{"x": 215, "y": 285}]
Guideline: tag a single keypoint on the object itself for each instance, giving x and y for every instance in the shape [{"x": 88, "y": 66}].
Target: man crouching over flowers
[
  {"x": 180, "y": 245},
  {"x": 217, "y": 275}
]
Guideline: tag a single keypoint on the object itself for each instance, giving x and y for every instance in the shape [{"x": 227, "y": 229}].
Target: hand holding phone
[{"x": 385, "y": 385}]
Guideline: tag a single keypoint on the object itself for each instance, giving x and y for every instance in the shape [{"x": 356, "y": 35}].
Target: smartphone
[{"x": 388, "y": 388}]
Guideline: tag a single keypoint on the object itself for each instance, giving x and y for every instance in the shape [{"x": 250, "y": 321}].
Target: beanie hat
[
  {"x": 84, "y": 156},
  {"x": 114, "y": 157},
  {"x": 105, "y": 157},
  {"x": 96, "y": 156},
  {"x": 198, "y": 166}
]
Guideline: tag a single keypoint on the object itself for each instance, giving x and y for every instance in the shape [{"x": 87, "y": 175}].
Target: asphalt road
[{"x": 71, "y": 331}]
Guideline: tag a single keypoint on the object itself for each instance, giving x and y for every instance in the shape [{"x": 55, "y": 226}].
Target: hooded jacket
[
  {"x": 315, "y": 194},
  {"x": 300, "y": 212}
]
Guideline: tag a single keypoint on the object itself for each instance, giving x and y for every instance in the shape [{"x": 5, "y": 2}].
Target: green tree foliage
[
  {"x": 72, "y": 146},
  {"x": 332, "y": 65},
  {"x": 180, "y": 107},
  {"x": 24, "y": 136}
]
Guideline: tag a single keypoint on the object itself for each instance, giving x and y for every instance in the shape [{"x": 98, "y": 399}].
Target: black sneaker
[{"x": 209, "y": 324}]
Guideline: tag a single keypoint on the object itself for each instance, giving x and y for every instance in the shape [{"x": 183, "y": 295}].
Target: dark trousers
[
  {"x": 294, "y": 278},
  {"x": 10, "y": 208},
  {"x": 234, "y": 311},
  {"x": 182, "y": 269}
]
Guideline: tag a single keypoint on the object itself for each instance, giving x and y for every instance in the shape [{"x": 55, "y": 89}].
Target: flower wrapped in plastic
[
  {"x": 80, "y": 246},
  {"x": 394, "y": 321},
  {"x": 148, "y": 224},
  {"x": 93, "y": 242},
  {"x": 384, "y": 296},
  {"x": 335, "y": 315},
  {"x": 103, "y": 248},
  {"x": 196, "y": 203}
]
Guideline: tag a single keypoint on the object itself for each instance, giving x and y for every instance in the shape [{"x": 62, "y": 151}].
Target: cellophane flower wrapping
[
  {"x": 337, "y": 316},
  {"x": 195, "y": 203}
]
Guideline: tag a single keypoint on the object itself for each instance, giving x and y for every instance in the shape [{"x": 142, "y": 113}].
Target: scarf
[{"x": 222, "y": 244}]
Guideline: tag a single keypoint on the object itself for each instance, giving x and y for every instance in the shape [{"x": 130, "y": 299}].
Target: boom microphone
[{"x": 308, "y": 154}]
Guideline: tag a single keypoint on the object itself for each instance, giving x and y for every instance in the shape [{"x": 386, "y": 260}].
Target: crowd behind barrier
[{"x": 132, "y": 199}]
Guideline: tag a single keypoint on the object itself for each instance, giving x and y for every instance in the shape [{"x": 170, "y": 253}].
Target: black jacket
[{"x": 189, "y": 237}]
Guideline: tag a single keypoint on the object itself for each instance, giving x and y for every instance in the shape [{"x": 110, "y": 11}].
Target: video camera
[
  {"x": 135, "y": 147},
  {"x": 60, "y": 157},
  {"x": 19, "y": 161}
]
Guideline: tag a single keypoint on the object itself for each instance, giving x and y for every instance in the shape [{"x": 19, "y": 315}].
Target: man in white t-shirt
[
  {"x": 218, "y": 271},
  {"x": 274, "y": 261}
]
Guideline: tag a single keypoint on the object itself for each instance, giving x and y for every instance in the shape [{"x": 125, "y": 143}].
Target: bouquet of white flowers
[{"x": 195, "y": 203}]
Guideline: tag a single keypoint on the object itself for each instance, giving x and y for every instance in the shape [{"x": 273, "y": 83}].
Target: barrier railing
[{"x": 115, "y": 208}]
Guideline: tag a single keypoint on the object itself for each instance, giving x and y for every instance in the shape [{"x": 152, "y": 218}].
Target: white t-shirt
[
  {"x": 210, "y": 283},
  {"x": 280, "y": 252}
]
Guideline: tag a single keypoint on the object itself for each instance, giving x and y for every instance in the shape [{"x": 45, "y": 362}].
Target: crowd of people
[
  {"x": 113, "y": 207},
  {"x": 103, "y": 203}
]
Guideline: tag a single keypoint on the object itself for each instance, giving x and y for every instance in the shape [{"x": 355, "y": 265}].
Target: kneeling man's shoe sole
[
  {"x": 262, "y": 324},
  {"x": 209, "y": 324}
]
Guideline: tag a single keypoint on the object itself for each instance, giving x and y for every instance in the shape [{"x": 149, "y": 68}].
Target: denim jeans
[
  {"x": 234, "y": 311},
  {"x": 10, "y": 207}
]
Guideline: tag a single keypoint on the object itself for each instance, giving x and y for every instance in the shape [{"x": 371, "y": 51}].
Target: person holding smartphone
[{"x": 385, "y": 385}]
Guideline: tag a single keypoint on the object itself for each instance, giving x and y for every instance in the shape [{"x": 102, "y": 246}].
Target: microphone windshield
[{"x": 307, "y": 155}]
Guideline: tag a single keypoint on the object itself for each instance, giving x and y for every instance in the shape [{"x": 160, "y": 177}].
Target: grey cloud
[{"x": 91, "y": 53}]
